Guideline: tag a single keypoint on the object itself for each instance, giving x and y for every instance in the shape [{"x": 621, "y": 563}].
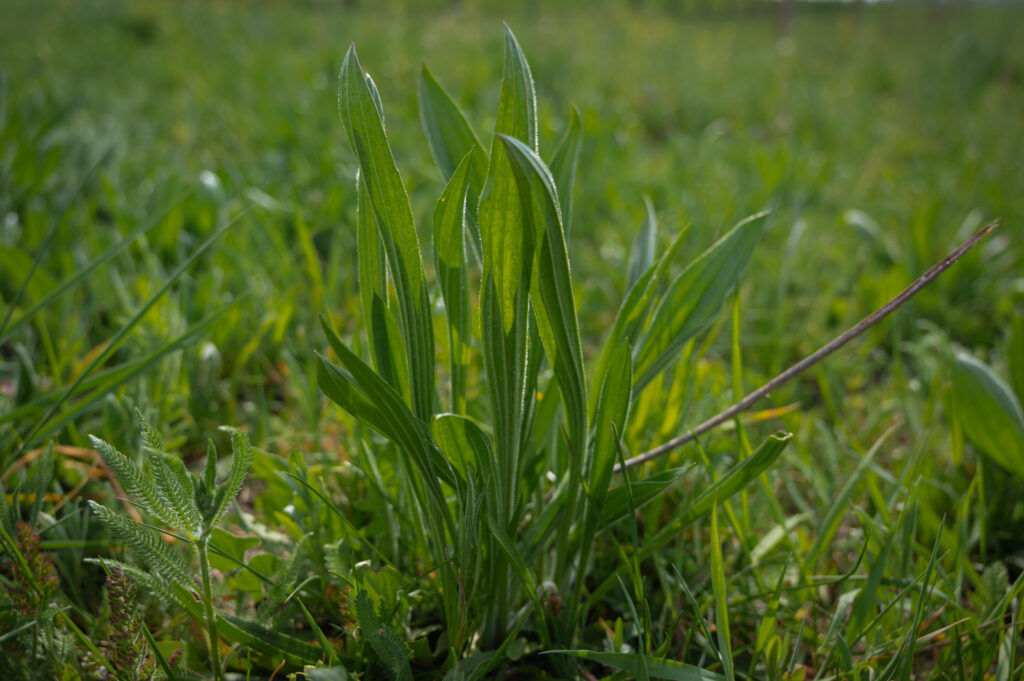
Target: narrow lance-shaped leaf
[
  {"x": 738, "y": 477},
  {"x": 612, "y": 411},
  {"x": 453, "y": 276},
  {"x": 505, "y": 284},
  {"x": 658, "y": 668},
  {"x": 634, "y": 311},
  {"x": 391, "y": 363},
  {"x": 360, "y": 114},
  {"x": 551, "y": 285},
  {"x": 563, "y": 167},
  {"x": 694, "y": 298},
  {"x": 451, "y": 138},
  {"x": 642, "y": 256},
  {"x": 397, "y": 421}
]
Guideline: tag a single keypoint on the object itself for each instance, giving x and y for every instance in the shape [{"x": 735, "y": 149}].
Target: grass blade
[{"x": 694, "y": 298}]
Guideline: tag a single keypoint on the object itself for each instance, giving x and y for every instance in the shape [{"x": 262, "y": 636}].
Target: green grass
[{"x": 877, "y": 137}]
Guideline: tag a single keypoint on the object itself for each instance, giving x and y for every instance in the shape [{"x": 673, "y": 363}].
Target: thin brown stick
[{"x": 812, "y": 359}]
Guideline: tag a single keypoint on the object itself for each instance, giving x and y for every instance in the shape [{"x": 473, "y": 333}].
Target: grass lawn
[{"x": 184, "y": 167}]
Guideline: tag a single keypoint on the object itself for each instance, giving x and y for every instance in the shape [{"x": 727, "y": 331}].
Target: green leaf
[
  {"x": 450, "y": 137},
  {"x": 135, "y": 483},
  {"x": 721, "y": 594},
  {"x": 615, "y": 505},
  {"x": 265, "y": 640},
  {"x": 1015, "y": 357},
  {"x": 389, "y": 413},
  {"x": 738, "y": 477},
  {"x": 153, "y": 551},
  {"x": 241, "y": 459},
  {"x": 453, "y": 276},
  {"x": 634, "y": 310},
  {"x": 505, "y": 284},
  {"x": 991, "y": 415},
  {"x": 563, "y": 166},
  {"x": 642, "y": 256},
  {"x": 384, "y": 640},
  {"x": 464, "y": 444},
  {"x": 658, "y": 668},
  {"x": 694, "y": 298},
  {"x": 612, "y": 413},
  {"x": 390, "y": 204},
  {"x": 551, "y": 286}
]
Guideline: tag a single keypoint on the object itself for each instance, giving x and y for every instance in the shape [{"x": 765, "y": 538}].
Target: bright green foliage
[{"x": 493, "y": 552}]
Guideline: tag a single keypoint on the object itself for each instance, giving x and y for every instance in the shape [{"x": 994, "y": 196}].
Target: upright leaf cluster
[{"x": 473, "y": 455}]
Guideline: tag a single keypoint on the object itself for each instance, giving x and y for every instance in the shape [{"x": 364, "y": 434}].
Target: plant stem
[
  {"x": 211, "y": 621},
  {"x": 812, "y": 359}
]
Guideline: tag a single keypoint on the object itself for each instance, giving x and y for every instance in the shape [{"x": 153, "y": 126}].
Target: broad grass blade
[
  {"x": 694, "y": 298},
  {"x": 612, "y": 413},
  {"x": 551, "y": 285},
  {"x": 390, "y": 203},
  {"x": 658, "y": 668},
  {"x": 453, "y": 275},
  {"x": 449, "y": 135},
  {"x": 642, "y": 257},
  {"x": 728, "y": 485},
  {"x": 991, "y": 416},
  {"x": 507, "y": 256},
  {"x": 563, "y": 167}
]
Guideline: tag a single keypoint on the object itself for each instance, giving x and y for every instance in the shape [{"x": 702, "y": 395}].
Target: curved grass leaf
[
  {"x": 991, "y": 415},
  {"x": 615, "y": 505},
  {"x": 390, "y": 413},
  {"x": 657, "y": 668},
  {"x": 264, "y": 640},
  {"x": 694, "y": 298},
  {"x": 361, "y": 116},
  {"x": 738, "y": 477}
]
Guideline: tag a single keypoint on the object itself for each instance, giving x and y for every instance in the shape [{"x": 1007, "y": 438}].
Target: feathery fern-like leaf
[
  {"x": 134, "y": 482},
  {"x": 241, "y": 459},
  {"x": 151, "y": 438},
  {"x": 154, "y": 552},
  {"x": 384, "y": 640}
]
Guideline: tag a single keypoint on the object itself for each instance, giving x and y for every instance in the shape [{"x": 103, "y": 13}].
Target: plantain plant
[
  {"x": 186, "y": 506},
  {"x": 508, "y": 453}
]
